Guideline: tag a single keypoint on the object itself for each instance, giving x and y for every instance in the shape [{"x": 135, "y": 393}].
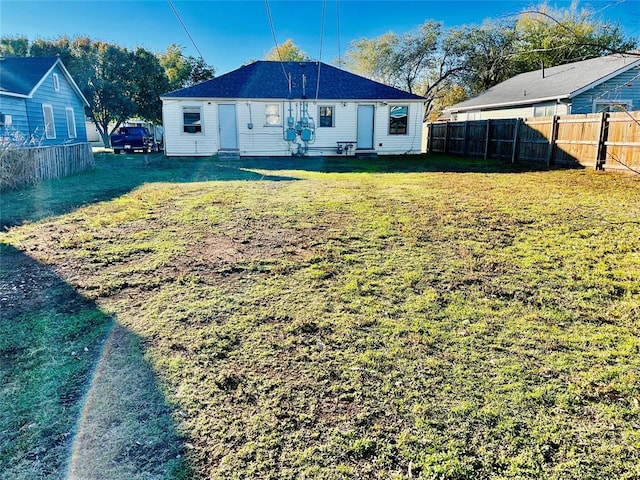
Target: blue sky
[{"x": 231, "y": 32}]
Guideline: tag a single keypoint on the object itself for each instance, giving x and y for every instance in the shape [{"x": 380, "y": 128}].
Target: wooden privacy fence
[
  {"x": 24, "y": 166},
  {"x": 591, "y": 140}
]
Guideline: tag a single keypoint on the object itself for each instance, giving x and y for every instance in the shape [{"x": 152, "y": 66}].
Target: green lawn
[{"x": 402, "y": 318}]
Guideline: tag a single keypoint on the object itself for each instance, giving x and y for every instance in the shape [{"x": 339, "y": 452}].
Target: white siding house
[{"x": 272, "y": 109}]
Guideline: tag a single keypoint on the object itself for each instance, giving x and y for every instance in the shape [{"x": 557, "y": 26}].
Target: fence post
[
  {"x": 514, "y": 146},
  {"x": 553, "y": 139},
  {"x": 601, "y": 152},
  {"x": 446, "y": 137},
  {"x": 486, "y": 139},
  {"x": 464, "y": 138}
]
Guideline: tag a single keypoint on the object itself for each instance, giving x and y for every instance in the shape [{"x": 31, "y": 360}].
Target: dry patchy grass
[{"x": 463, "y": 324}]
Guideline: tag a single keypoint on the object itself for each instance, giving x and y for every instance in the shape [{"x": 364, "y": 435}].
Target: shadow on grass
[
  {"x": 113, "y": 176},
  {"x": 116, "y": 175},
  {"x": 78, "y": 398},
  {"x": 388, "y": 164}
]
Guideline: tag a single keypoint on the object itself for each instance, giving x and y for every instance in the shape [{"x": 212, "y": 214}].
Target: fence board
[
  {"x": 623, "y": 141},
  {"x": 590, "y": 140},
  {"x": 23, "y": 166}
]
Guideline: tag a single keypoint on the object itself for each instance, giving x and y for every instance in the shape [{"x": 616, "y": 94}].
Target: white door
[
  {"x": 228, "y": 126},
  {"x": 365, "y": 127}
]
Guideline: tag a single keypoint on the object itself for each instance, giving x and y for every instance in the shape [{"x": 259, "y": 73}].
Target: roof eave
[
  {"x": 606, "y": 78},
  {"x": 530, "y": 101},
  {"x": 14, "y": 94},
  {"x": 282, "y": 99}
]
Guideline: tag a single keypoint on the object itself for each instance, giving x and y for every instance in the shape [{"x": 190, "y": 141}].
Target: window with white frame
[
  {"x": 545, "y": 110},
  {"x": 473, "y": 115},
  {"x": 71, "y": 123},
  {"x": 272, "y": 115},
  {"x": 191, "y": 120},
  {"x": 49, "y": 124},
  {"x": 326, "y": 114},
  {"x": 611, "y": 106},
  {"x": 56, "y": 82},
  {"x": 398, "y": 119}
]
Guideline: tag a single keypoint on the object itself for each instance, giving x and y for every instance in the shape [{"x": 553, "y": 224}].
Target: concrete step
[
  {"x": 366, "y": 154},
  {"x": 229, "y": 155}
]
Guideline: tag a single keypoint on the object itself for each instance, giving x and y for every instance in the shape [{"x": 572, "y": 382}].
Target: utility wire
[
  {"x": 324, "y": 8},
  {"x": 339, "y": 46},
  {"x": 275, "y": 41},
  {"x": 175, "y": 11}
]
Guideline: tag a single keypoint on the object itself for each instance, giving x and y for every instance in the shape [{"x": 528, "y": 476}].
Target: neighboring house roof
[
  {"x": 557, "y": 83},
  {"x": 268, "y": 79},
  {"x": 21, "y": 76}
]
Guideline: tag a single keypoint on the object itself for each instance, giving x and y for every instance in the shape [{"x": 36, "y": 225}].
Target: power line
[
  {"x": 324, "y": 8},
  {"x": 185, "y": 28},
  {"x": 275, "y": 41},
  {"x": 339, "y": 46}
]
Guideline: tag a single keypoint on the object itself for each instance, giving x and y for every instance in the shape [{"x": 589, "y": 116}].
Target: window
[
  {"x": 49, "y": 124},
  {"x": 611, "y": 106},
  {"x": 272, "y": 114},
  {"x": 71, "y": 122},
  {"x": 398, "y": 115},
  {"x": 192, "y": 120},
  {"x": 56, "y": 82},
  {"x": 326, "y": 116},
  {"x": 544, "y": 110},
  {"x": 473, "y": 115}
]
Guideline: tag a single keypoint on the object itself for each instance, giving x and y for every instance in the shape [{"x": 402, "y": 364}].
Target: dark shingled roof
[
  {"x": 266, "y": 79},
  {"x": 20, "y": 75}
]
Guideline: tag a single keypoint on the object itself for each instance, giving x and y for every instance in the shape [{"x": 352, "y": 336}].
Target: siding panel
[
  {"x": 624, "y": 87},
  {"x": 266, "y": 140},
  {"x": 61, "y": 99},
  {"x": 16, "y": 107}
]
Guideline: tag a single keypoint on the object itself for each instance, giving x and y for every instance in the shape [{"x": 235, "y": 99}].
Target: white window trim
[
  {"x": 267, "y": 124},
  {"x": 333, "y": 115},
  {"x": 627, "y": 103},
  {"x": 56, "y": 82},
  {"x": 389, "y": 119},
  {"x": 182, "y": 125},
  {"x": 473, "y": 115},
  {"x": 545, "y": 106},
  {"x": 72, "y": 132},
  {"x": 46, "y": 106}
]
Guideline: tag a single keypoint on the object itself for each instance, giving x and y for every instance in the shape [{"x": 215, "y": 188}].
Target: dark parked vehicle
[{"x": 131, "y": 139}]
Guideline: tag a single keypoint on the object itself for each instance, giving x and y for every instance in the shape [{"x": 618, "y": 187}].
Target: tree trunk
[
  {"x": 103, "y": 131},
  {"x": 105, "y": 138}
]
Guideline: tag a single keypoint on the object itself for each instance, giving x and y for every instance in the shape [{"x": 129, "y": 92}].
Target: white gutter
[{"x": 508, "y": 104}]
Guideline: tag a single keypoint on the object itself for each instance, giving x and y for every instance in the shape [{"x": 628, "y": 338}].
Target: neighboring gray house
[
  {"x": 603, "y": 84},
  {"x": 301, "y": 108}
]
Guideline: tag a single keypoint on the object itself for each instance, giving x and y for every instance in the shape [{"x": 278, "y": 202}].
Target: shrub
[{"x": 16, "y": 161}]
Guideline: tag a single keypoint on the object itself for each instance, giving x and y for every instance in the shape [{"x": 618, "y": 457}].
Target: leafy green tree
[
  {"x": 424, "y": 61},
  {"x": 183, "y": 71},
  {"x": 151, "y": 82},
  {"x": 488, "y": 54},
  {"x": 451, "y": 95},
  {"x": 201, "y": 71},
  {"x": 375, "y": 58},
  {"x": 14, "y": 46},
  {"x": 549, "y": 37},
  {"x": 287, "y": 52},
  {"x": 111, "y": 88}
]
